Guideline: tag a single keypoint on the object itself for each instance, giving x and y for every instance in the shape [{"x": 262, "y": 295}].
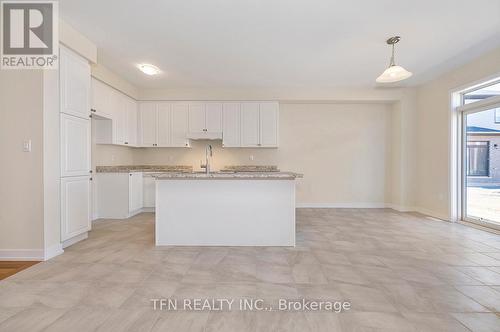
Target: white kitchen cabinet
[
  {"x": 164, "y": 124},
  {"x": 231, "y": 122},
  {"x": 149, "y": 189},
  {"x": 100, "y": 99},
  {"x": 259, "y": 124},
  {"x": 205, "y": 121},
  {"x": 120, "y": 118},
  {"x": 75, "y": 206},
  {"x": 135, "y": 195},
  {"x": 115, "y": 115},
  {"x": 197, "y": 119},
  {"x": 147, "y": 124},
  {"x": 250, "y": 123},
  {"x": 268, "y": 123},
  {"x": 213, "y": 117},
  {"x": 74, "y": 80},
  {"x": 131, "y": 122},
  {"x": 119, "y": 195},
  {"x": 179, "y": 125},
  {"x": 75, "y": 145}
]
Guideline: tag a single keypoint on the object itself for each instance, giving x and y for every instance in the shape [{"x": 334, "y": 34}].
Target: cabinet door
[
  {"x": 135, "y": 188},
  {"x": 132, "y": 122},
  {"x": 180, "y": 125},
  {"x": 75, "y": 145},
  {"x": 164, "y": 124},
  {"x": 149, "y": 191},
  {"x": 75, "y": 84},
  {"x": 100, "y": 98},
  {"x": 75, "y": 206},
  {"x": 231, "y": 133},
  {"x": 120, "y": 119},
  {"x": 147, "y": 114},
  {"x": 269, "y": 124},
  {"x": 213, "y": 117},
  {"x": 250, "y": 124},
  {"x": 197, "y": 119}
]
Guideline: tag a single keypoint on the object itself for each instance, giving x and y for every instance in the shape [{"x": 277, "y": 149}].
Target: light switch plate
[{"x": 27, "y": 145}]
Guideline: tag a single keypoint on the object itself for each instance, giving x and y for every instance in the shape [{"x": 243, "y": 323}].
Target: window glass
[
  {"x": 482, "y": 93},
  {"x": 478, "y": 158}
]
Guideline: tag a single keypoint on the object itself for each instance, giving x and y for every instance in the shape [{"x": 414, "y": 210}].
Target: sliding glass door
[{"x": 481, "y": 166}]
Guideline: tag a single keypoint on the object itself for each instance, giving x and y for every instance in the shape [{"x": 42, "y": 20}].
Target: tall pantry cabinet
[{"x": 74, "y": 83}]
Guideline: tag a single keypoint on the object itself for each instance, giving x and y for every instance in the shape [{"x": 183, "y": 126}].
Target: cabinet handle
[
  {"x": 90, "y": 179},
  {"x": 130, "y": 174},
  {"x": 126, "y": 142},
  {"x": 90, "y": 171},
  {"x": 93, "y": 110},
  {"x": 259, "y": 144}
]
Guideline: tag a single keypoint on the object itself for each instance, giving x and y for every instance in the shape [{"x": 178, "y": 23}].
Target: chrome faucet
[{"x": 208, "y": 155}]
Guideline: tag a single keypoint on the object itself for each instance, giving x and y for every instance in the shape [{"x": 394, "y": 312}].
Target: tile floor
[{"x": 400, "y": 272}]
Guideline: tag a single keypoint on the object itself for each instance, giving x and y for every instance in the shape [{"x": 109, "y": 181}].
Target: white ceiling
[{"x": 282, "y": 43}]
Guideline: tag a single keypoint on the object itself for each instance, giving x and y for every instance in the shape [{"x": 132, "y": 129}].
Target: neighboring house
[{"x": 483, "y": 148}]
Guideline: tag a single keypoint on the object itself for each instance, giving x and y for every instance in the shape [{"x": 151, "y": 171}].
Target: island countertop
[{"x": 228, "y": 176}]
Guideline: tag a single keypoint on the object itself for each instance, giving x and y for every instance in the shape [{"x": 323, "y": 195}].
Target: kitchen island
[{"x": 225, "y": 209}]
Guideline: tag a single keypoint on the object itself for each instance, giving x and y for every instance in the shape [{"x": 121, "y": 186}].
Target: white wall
[
  {"x": 434, "y": 131},
  {"x": 21, "y": 173}
]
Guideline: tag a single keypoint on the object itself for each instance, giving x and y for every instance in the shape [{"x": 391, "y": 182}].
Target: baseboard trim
[
  {"x": 75, "y": 239},
  {"x": 53, "y": 251},
  {"x": 22, "y": 255},
  {"x": 432, "y": 213},
  {"x": 341, "y": 205},
  {"x": 148, "y": 209}
]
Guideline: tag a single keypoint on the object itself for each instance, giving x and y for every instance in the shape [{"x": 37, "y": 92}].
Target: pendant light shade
[{"x": 394, "y": 73}]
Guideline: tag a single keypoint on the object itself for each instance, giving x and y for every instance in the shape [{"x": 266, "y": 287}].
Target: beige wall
[
  {"x": 21, "y": 175},
  {"x": 434, "y": 131},
  {"x": 342, "y": 149}
]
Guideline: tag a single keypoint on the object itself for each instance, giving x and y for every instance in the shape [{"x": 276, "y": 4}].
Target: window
[
  {"x": 490, "y": 90},
  {"x": 478, "y": 156},
  {"x": 497, "y": 115}
]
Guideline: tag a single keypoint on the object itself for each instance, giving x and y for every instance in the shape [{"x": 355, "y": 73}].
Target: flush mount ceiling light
[
  {"x": 393, "y": 73},
  {"x": 149, "y": 69}
]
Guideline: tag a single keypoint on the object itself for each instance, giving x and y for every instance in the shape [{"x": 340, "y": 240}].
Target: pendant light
[{"x": 394, "y": 73}]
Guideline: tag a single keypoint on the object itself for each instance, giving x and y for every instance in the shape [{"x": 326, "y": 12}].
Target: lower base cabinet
[
  {"x": 119, "y": 195},
  {"x": 75, "y": 206},
  {"x": 149, "y": 191}
]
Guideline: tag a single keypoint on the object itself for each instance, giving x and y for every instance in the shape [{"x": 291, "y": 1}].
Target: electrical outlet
[{"x": 251, "y": 157}]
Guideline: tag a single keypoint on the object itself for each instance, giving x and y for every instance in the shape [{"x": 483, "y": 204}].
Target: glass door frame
[{"x": 464, "y": 110}]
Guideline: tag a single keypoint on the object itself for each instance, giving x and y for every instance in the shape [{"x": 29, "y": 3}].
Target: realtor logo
[{"x": 29, "y": 35}]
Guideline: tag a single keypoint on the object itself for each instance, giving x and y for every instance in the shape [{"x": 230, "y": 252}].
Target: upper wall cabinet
[
  {"x": 101, "y": 99},
  {"x": 116, "y": 115},
  {"x": 268, "y": 124},
  {"x": 75, "y": 84},
  {"x": 231, "y": 125},
  {"x": 163, "y": 124},
  {"x": 205, "y": 120},
  {"x": 258, "y": 124}
]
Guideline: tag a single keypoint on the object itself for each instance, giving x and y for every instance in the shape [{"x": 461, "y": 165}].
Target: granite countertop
[
  {"x": 229, "y": 176},
  {"x": 251, "y": 168},
  {"x": 144, "y": 168}
]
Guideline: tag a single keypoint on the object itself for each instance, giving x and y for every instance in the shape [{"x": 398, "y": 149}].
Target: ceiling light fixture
[
  {"x": 393, "y": 73},
  {"x": 149, "y": 69}
]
